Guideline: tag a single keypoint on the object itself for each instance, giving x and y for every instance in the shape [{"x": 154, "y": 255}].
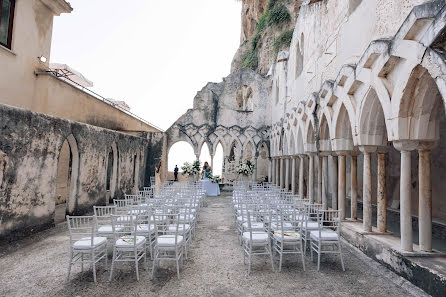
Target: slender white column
[
  {"x": 341, "y": 186},
  {"x": 287, "y": 173},
  {"x": 293, "y": 175},
  {"x": 270, "y": 170},
  {"x": 282, "y": 177},
  {"x": 325, "y": 182},
  {"x": 367, "y": 188},
  {"x": 301, "y": 177},
  {"x": 405, "y": 202},
  {"x": 381, "y": 194},
  {"x": 311, "y": 178},
  {"x": 319, "y": 179},
  {"x": 334, "y": 183},
  {"x": 277, "y": 172},
  {"x": 212, "y": 162},
  {"x": 354, "y": 187},
  {"x": 254, "y": 178},
  {"x": 425, "y": 201}
]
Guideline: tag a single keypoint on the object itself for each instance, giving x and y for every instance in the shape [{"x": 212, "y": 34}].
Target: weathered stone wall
[{"x": 30, "y": 144}]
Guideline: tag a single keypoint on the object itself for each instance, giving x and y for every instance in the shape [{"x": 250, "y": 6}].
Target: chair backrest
[
  {"x": 329, "y": 219},
  {"x": 311, "y": 211},
  {"x": 124, "y": 227},
  {"x": 80, "y": 227},
  {"x": 102, "y": 215}
]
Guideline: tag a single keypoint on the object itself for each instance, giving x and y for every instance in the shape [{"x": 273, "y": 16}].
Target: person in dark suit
[{"x": 175, "y": 172}]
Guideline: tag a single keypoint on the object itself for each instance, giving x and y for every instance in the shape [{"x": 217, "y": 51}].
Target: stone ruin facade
[{"x": 231, "y": 113}]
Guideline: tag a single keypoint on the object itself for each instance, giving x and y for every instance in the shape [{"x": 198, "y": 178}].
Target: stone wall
[{"x": 30, "y": 144}]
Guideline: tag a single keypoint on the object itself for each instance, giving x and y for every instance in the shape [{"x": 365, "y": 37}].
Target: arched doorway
[
  {"x": 179, "y": 153},
  {"x": 66, "y": 181},
  {"x": 218, "y": 160},
  {"x": 112, "y": 173}
]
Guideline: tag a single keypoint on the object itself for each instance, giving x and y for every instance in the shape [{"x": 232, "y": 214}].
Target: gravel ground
[{"x": 37, "y": 266}]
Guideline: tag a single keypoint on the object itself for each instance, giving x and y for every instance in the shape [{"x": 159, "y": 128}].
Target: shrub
[
  {"x": 279, "y": 15},
  {"x": 283, "y": 40},
  {"x": 250, "y": 60}
]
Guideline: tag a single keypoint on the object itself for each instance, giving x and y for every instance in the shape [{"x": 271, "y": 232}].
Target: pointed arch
[
  {"x": 343, "y": 134},
  {"x": 372, "y": 124},
  {"x": 324, "y": 134}
]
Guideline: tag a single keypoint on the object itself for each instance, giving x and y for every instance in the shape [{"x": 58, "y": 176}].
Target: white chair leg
[
  {"x": 280, "y": 260},
  {"x": 303, "y": 257},
  {"x": 340, "y": 254},
  {"x": 136, "y": 264},
  {"x": 93, "y": 264},
  {"x": 112, "y": 265},
  {"x": 69, "y": 265},
  {"x": 178, "y": 264},
  {"x": 106, "y": 256},
  {"x": 82, "y": 262},
  {"x": 318, "y": 255}
]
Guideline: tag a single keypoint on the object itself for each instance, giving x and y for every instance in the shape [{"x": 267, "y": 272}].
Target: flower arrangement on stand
[
  {"x": 245, "y": 169},
  {"x": 192, "y": 170},
  {"x": 216, "y": 179}
]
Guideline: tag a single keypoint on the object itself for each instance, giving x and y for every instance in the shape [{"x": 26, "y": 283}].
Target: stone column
[
  {"x": 341, "y": 186},
  {"x": 254, "y": 178},
  {"x": 212, "y": 162},
  {"x": 367, "y": 188},
  {"x": 282, "y": 177},
  {"x": 425, "y": 197},
  {"x": 354, "y": 187},
  {"x": 301, "y": 177},
  {"x": 277, "y": 172},
  {"x": 319, "y": 179},
  {"x": 270, "y": 170},
  {"x": 287, "y": 173},
  {"x": 293, "y": 175},
  {"x": 381, "y": 194},
  {"x": 334, "y": 177},
  {"x": 325, "y": 182},
  {"x": 405, "y": 147},
  {"x": 311, "y": 178}
]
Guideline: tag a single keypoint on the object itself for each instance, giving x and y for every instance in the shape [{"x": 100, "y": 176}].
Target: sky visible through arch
[{"x": 155, "y": 55}]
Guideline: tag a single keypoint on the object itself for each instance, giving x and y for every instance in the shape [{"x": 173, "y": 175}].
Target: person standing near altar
[{"x": 206, "y": 173}]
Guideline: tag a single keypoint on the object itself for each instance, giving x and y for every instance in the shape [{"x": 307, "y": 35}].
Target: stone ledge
[{"x": 425, "y": 270}]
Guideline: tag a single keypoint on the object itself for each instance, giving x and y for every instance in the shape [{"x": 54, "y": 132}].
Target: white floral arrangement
[
  {"x": 216, "y": 179},
  {"x": 245, "y": 168},
  {"x": 191, "y": 169}
]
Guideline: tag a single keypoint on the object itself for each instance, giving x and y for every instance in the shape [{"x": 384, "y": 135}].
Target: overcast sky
[{"x": 153, "y": 54}]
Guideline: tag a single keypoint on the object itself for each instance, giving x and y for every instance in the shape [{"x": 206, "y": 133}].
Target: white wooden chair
[
  {"x": 257, "y": 242},
  {"x": 128, "y": 245},
  {"x": 327, "y": 239},
  {"x": 85, "y": 247},
  {"x": 168, "y": 245},
  {"x": 288, "y": 240}
]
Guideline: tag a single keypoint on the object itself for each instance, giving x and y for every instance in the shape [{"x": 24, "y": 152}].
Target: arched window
[{"x": 244, "y": 99}]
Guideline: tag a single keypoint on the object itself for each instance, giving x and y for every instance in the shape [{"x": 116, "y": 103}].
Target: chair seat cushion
[
  {"x": 310, "y": 226},
  {"x": 277, "y": 226},
  {"x": 144, "y": 228},
  {"x": 258, "y": 226},
  {"x": 172, "y": 228},
  {"x": 287, "y": 236},
  {"x": 169, "y": 240},
  {"x": 325, "y": 235},
  {"x": 257, "y": 237},
  {"x": 108, "y": 229},
  {"x": 129, "y": 241},
  {"x": 85, "y": 243}
]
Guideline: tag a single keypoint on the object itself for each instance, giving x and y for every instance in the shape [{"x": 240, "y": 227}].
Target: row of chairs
[
  {"x": 272, "y": 221},
  {"x": 161, "y": 225}
]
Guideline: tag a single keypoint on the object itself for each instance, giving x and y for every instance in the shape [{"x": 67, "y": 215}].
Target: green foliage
[
  {"x": 275, "y": 14},
  {"x": 283, "y": 40},
  {"x": 250, "y": 60},
  {"x": 279, "y": 15}
]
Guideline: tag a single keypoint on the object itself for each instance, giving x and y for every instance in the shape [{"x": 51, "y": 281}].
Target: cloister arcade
[{"x": 374, "y": 125}]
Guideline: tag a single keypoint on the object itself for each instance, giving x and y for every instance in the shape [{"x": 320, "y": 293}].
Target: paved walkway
[{"x": 37, "y": 266}]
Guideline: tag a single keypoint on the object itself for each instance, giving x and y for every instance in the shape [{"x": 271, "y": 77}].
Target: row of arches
[{"x": 69, "y": 171}]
